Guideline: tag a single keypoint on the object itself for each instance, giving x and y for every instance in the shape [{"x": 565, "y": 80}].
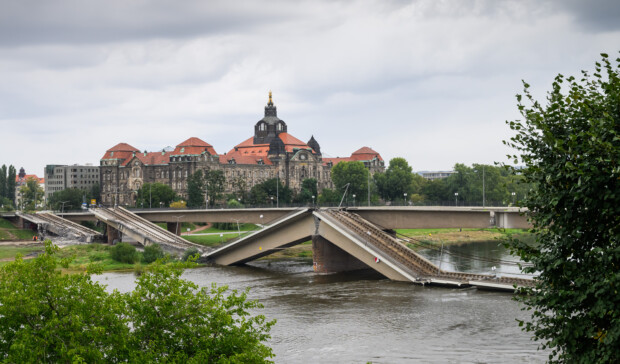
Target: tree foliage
[
  {"x": 152, "y": 253},
  {"x": 48, "y": 316},
  {"x": 262, "y": 193},
  {"x": 571, "y": 151},
  {"x": 196, "y": 189},
  {"x": 215, "y": 181},
  {"x": 396, "y": 181},
  {"x": 124, "y": 253},
  {"x": 156, "y": 195},
  {"x": 32, "y": 194},
  {"x": 353, "y": 173},
  {"x": 72, "y": 198},
  {"x": 308, "y": 189}
]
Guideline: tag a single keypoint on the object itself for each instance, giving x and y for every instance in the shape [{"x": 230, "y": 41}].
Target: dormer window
[
  {"x": 262, "y": 126},
  {"x": 260, "y": 161},
  {"x": 182, "y": 150},
  {"x": 232, "y": 161}
]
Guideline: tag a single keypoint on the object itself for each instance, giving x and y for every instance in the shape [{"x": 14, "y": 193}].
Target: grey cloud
[
  {"x": 69, "y": 21},
  {"x": 593, "y": 15}
]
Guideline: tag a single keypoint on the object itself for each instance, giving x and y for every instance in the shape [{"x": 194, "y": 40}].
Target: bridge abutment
[{"x": 328, "y": 258}]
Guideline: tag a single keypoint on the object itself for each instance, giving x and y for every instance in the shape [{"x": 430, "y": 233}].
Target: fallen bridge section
[
  {"x": 386, "y": 254},
  {"x": 142, "y": 230},
  {"x": 56, "y": 225},
  {"x": 289, "y": 230}
]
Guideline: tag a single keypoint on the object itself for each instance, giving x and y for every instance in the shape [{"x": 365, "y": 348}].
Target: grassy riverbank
[{"x": 9, "y": 232}]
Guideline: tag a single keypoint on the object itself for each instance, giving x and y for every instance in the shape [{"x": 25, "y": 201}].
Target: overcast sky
[{"x": 431, "y": 81}]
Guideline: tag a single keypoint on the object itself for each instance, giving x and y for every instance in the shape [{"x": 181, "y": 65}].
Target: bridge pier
[
  {"x": 113, "y": 234},
  {"x": 174, "y": 227},
  {"x": 328, "y": 258}
]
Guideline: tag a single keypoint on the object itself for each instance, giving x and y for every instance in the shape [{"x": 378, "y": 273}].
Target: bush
[
  {"x": 152, "y": 253},
  {"x": 124, "y": 253},
  {"x": 190, "y": 253}
]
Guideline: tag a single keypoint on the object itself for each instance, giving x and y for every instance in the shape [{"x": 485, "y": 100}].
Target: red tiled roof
[
  {"x": 19, "y": 180},
  {"x": 335, "y": 160},
  {"x": 123, "y": 147},
  {"x": 194, "y": 142},
  {"x": 365, "y": 154},
  {"x": 193, "y": 146},
  {"x": 154, "y": 158},
  {"x": 243, "y": 158},
  {"x": 120, "y": 151},
  {"x": 289, "y": 139}
]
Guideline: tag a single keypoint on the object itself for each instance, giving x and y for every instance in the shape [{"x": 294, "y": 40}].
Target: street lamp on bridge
[{"x": 456, "y": 197}]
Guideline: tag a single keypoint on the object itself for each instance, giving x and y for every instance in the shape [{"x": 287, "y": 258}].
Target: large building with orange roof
[{"x": 270, "y": 153}]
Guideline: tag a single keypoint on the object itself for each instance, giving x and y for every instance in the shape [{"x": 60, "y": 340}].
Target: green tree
[
  {"x": 262, "y": 193},
  {"x": 196, "y": 189},
  {"x": 571, "y": 152},
  {"x": 48, "y": 316},
  {"x": 32, "y": 194},
  {"x": 396, "y": 181},
  {"x": 308, "y": 189},
  {"x": 175, "y": 320},
  {"x": 152, "y": 253},
  {"x": 72, "y": 198},
  {"x": 11, "y": 183},
  {"x": 355, "y": 174},
  {"x": 124, "y": 253},
  {"x": 156, "y": 195},
  {"x": 3, "y": 181},
  {"x": 215, "y": 181}
]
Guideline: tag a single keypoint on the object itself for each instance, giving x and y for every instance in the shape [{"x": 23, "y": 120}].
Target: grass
[
  {"x": 211, "y": 240},
  {"x": 5, "y": 224},
  {"x": 12, "y": 251},
  {"x": 9, "y": 232},
  {"x": 242, "y": 227},
  {"x": 462, "y": 236}
]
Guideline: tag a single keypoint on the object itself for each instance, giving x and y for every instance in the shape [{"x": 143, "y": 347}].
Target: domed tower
[{"x": 270, "y": 126}]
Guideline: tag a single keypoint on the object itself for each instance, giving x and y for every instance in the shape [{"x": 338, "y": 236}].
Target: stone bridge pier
[{"x": 328, "y": 258}]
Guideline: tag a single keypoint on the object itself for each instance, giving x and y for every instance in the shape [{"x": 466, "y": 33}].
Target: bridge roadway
[
  {"x": 47, "y": 222},
  {"x": 389, "y": 217},
  {"x": 353, "y": 236},
  {"x": 143, "y": 231}
]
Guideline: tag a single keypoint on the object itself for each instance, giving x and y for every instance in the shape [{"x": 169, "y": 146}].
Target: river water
[{"x": 358, "y": 317}]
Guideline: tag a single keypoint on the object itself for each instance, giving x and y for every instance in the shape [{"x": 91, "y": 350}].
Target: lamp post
[
  {"x": 150, "y": 195},
  {"x": 405, "y": 199},
  {"x": 514, "y": 194},
  {"x": 177, "y": 227},
  {"x": 62, "y": 213},
  {"x": 456, "y": 196},
  {"x": 353, "y": 200},
  {"x": 271, "y": 201},
  {"x": 312, "y": 200}
]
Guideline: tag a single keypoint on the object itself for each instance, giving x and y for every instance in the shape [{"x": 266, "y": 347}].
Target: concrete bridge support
[
  {"x": 174, "y": 227},
  {"x": 328, "y": 258},
  {"x": 113, "y": 234}
]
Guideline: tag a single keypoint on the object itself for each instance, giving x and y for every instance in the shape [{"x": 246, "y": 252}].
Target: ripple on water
[{"x": 360, "y": 316}]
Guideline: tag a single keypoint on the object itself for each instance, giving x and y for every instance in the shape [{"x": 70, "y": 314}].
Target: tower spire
[{"x": 270, "y": 103}]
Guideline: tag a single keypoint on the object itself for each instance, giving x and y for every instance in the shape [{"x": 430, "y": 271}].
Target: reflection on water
[
  {"x": 360, "y": 316},
  {"x": 475, "y": 258}
]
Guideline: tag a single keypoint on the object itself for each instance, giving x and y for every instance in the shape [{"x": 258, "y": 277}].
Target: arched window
[{"x": 262, "y": 126}]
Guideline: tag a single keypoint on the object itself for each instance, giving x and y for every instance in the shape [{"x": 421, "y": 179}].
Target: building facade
[
  {"x": 433, "y": 175},
  {"x": 270, "y": 153},
  {"x": 60, "y": 177}
]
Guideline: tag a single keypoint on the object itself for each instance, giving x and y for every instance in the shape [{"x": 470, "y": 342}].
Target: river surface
[{"x": 358, "y": 317}]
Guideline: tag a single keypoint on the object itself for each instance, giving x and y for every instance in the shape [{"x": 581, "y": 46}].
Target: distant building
[
  {"x": 433, "y": 175},
  {"x": 270, "y": 153},
  {"x": 20, "y": 180},
  {"x": 60, "y": 177}
]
